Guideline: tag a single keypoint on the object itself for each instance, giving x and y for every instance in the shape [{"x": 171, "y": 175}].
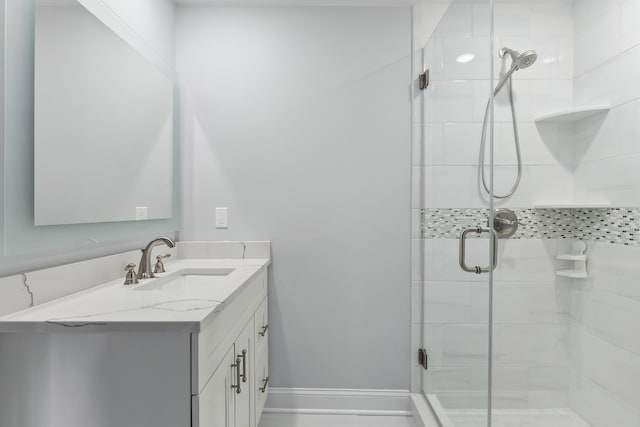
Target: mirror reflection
[{"x": 103, "y": 123}]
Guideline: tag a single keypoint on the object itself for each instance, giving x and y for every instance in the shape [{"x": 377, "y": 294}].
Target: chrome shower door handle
[{"x": 462, "y": 250}]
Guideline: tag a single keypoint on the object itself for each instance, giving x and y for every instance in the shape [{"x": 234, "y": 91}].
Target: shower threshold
[
  {"x": 526, "y": 417},
  {"x": 553, "y": 417}
]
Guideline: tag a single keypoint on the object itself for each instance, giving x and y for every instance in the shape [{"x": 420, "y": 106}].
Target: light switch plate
[
  {"x": 222, "y": 218},
  {"x": 142, "y": 212}
]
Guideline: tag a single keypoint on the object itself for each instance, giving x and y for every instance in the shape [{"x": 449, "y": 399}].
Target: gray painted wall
[{"x": 298, "y": 121}]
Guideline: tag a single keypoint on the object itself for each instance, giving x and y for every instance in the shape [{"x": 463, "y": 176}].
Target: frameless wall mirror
[
  {"x": 136, "y": 164},
  {"x": 103, "y": 123}
]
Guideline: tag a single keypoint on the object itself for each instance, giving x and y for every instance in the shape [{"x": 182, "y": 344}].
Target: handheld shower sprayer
[{"x": 519, "y": 61}]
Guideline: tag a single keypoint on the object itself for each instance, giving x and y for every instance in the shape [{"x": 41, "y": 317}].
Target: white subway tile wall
[
  {"x": 604, "y": 350},
  {"x": 531, "y": 325}
]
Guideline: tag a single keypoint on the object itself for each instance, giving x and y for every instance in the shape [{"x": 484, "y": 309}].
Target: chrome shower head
[
  {"x": 518, "y": 62},
  {"x": 525, "y": 59}
]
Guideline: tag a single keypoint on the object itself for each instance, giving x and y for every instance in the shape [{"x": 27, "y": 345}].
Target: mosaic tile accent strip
[{"x": 613, "y": 225}]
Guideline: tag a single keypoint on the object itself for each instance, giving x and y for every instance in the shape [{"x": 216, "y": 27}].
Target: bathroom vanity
[{"x": 187, "y": 348}]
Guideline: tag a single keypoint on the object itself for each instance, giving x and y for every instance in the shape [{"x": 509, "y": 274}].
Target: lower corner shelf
[{"x": 574, "y": 274}]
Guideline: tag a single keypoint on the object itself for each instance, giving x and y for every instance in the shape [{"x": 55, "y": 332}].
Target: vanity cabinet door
[
  {"x": 245, "y": 401},
  {"x": 261, "y": 384},
  {"x": 262, "y": 326},
  {"x": 215, "y": 406},
  {"x": 220, "y": 403}
]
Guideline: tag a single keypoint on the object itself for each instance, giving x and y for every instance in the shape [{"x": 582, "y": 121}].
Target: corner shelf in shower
[
  {"x": 579, "y": 270},
  {"x": 574, "y": 274},
  {"x": 579, "y": 260},
  {"x": 572, "y": 115}
]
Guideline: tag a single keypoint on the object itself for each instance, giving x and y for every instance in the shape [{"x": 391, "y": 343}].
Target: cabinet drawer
[
  {"x": 262, "y": 325},
  {"x": 209, "y": 347},
  {"x": 262, "y": 381}
]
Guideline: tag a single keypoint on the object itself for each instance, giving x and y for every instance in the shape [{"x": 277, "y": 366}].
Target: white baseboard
[{"x": 338, "y": 401}]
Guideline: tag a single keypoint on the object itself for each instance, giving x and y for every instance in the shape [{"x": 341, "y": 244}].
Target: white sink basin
[{"x": 189, "y": 282}]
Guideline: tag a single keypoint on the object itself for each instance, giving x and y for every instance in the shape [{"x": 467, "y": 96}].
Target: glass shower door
[{"x": 454, "y": 210}]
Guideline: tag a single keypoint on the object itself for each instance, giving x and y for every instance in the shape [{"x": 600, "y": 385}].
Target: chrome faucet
[{"x": 145, "y": 271}]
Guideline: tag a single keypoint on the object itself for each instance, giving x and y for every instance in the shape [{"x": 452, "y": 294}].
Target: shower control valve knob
[{"x": 505, "y": 223}]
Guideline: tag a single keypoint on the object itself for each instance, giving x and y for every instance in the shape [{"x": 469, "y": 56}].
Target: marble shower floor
[{"x": 518, "y": 418}]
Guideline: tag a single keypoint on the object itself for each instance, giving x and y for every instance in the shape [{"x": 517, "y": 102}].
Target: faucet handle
[
  {"x": 159, "y": 267},
  {"x": 131, "y": 277}
]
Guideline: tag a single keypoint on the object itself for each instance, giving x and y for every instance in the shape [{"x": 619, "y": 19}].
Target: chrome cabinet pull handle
[
  {"x": 264, "y": 385},
  {"x": 264, "y": 330},
  {"x": 237, "y": 367},
  {"x": 462, "y": 250},
  {"x": 244, "y": 365}
]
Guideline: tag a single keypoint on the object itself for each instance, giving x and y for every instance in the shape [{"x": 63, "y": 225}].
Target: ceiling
[
  {"x": 342, "y": 2},
  {"x": 303, "y": 2}
]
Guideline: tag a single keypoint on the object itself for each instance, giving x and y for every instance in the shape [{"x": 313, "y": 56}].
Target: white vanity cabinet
[
  {"x": 232, "y": 395},
  {"x": 152, "y": 369}
]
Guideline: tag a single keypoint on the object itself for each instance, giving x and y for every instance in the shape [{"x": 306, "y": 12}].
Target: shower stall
[{"x": 526, "y": 187}]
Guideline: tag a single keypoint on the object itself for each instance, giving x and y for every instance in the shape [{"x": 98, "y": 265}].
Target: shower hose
[{"x": 483, "y": 144}]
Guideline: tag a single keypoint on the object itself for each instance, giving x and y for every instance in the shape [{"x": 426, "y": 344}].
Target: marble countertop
[{"x": 113, "y": 306}]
